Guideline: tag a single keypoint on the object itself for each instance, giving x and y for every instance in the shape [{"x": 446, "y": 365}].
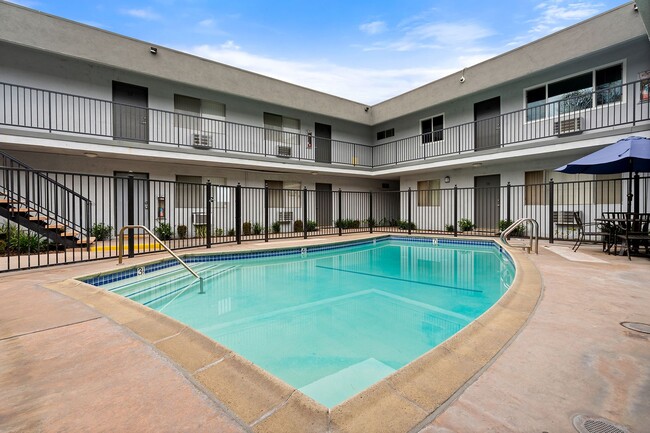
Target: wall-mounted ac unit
[
  {"x": 286, "y": 216},
  {"x": 199, "y": 218},
  {"x": 201, "y": 141},
  {"x": 284, "y": 151},
  {"x": 569, "y": 126}
]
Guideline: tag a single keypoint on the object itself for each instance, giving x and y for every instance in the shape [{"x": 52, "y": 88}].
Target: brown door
[
  {"x": 130, "y": 114},
  {"x": 487, "y": 126},
  {"x": 487, "y": 193}
]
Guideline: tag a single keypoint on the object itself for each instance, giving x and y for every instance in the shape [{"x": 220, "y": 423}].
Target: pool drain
[
  {"x": 636, "y": 326},
  {"x": 588, "y": 424}
]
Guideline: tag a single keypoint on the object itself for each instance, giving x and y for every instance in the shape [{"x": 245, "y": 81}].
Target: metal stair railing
[
  {"x": 63, "y": 199},
  {"x": 532, "y": 227},
  {"x": 136, "y": 226}
]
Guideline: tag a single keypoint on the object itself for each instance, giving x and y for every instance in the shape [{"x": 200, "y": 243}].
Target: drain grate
[
  {"x": 588, "y": 424},
  {"x": 636, "y": 326}
]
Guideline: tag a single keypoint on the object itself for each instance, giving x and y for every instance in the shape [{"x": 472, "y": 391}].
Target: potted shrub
[
  {"x": 297, "y": 226},
  {"x": 181, "y": 231},
  {"x": 465, "y": 224},
  {"x": 246, "y": 228}
]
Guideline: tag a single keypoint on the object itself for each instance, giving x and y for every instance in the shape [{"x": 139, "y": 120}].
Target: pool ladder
[
  {"x": 532, "y": 227},
  {"x": 121, "y": 251}
]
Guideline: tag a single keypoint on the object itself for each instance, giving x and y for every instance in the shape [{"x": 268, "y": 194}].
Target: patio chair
[
  {"x": 636, "y": 235},
  {"x": 605, "y": 236}
]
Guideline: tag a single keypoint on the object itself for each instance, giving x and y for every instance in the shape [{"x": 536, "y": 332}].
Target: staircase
[{"x": 42, "y": 205}]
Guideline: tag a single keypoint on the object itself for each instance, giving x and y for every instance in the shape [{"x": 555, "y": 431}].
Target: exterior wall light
[
  {"x": 447, "y": 179},
  {"x": 153, "y": 50}
]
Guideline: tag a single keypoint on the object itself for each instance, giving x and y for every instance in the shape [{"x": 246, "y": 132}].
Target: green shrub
[
  {"x": 246, "y": 228},
  {"x": 231, "y": 232},
  {"x": 371, "y": 222},
  {"x": 3, "y": 246},
  {"x": 348, "y": 224},
  {"x": 465, "y": 224},
  {"x": 257, "y": 229},
  {"x": 23, "y": 242},
  {"x": 101, "y": 231},
  {"x": 163, "y": 231},
  {"x": 201, "y": 230},
  {"x": 312, "y": 226},
  {"x": 181, "y": 231},
  {"x": 405, "y": 225},
  {"x": 449, "y": 228},
  {"x": 275, "y": 227},
  {"x": 519, "y": 231},
  {"x": 218, "y": 232},
  {"x": 297, "y": 226}
]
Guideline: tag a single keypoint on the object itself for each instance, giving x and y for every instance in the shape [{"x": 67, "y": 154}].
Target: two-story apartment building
[{"x": 81, "y": 99}]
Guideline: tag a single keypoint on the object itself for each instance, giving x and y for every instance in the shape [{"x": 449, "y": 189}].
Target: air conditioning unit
[
  {"x": 284, "y": 151},
  {"x": 569, "y": 126},
  {"x": 199, "y": 218},
  {"x": 286, "y": 216},
  {"x": 201, "y": 141}
]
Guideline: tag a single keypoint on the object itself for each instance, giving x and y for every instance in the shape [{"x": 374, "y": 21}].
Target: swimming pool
[{"x": 332, "y": 320}]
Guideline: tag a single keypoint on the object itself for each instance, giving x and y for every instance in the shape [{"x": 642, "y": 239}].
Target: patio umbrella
[{"x": 631, "y": 154}]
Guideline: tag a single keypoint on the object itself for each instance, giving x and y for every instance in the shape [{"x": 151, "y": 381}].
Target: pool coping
[{"x": 406, "y": 400}]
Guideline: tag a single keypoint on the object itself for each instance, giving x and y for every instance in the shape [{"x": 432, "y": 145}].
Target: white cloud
[
  {"x": 145, "y": 14},
  {"x": 373, "y": 28},
  {"x": 365, "y": 85},
  {"x": 209, "y": 23}
]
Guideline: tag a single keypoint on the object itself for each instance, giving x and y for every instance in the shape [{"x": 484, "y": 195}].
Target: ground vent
[{"x": 588, "y": 424}]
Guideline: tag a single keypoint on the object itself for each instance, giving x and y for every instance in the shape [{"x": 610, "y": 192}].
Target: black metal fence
[
  {"x": 83, "y": 222},
  {"x": 33, "y": 108}
]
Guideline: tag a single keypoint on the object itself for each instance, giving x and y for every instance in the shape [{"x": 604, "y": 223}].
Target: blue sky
[{"x": 366, "y": 51}]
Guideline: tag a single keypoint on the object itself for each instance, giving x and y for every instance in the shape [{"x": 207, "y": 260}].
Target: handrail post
[
  {"x": 551, "y": 197},
  {"x": 455, "y": 211},
  {"x": 130, "y": 214},
  {"x": 370, "y": 219},
  {"x": 266, "y": 212},
  {"x": 304, "y": 213},
  {"x": 340, "y": 213},
  {"x": 238, "y": 213},
  {"x": 208, "y": 214},
  {"x": 408, "y": 212}
]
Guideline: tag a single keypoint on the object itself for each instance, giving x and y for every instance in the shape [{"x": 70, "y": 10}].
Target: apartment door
[
  {"x": 324, "y": 204},
  {"x": 130, "y": 114},
  {"x": 141, "y": 214},
  {"x": 323, "y": 135},
  {"x": 487, "y": 126},
  {"x": 487, "y": 202}
]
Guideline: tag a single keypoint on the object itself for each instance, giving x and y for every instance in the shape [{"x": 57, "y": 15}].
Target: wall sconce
[
  {"x": 153, "y": 50},
  {"x": 447, "y": 179}
]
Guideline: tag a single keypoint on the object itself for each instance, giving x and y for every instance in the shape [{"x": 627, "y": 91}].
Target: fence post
[
  {"x": 304, "y": 213},
  {"x": 455, "y": 211},
  {"x": 509, "y": 221},
  {"x": 208, "y": 215},
  {"x": 636, "y": 193},
  {"x": 340, "y": 214},
  {"x": 551, "y": 198},
  {"x": 266, "y": 212},
  {"x": 371, "y": 221},
  {"x": 408, "y": 212},
  {"x": 89, "y": 222},
  {"x": 238, "y": 213},
  {"x": 130, "y": 216}
]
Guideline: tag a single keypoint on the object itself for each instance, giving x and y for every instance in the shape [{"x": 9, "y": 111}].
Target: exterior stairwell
[{"x": 42, "y": 205}]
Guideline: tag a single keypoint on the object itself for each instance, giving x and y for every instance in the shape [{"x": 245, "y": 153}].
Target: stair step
[
  {"x": 38, "y": 219},
  {"x": 56, "y": 226},
  {"x": 23, "y": 210},
  {"x": 7, "y": 201},
  {"x": 83, "y": 241},
  {"x": 72, "y": 234}
]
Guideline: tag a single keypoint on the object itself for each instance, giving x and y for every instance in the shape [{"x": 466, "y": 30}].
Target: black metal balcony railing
[{"x": 27, "y": 107}]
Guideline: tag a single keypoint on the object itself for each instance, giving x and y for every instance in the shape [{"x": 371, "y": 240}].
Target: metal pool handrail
[
  {"x": 121, "y": 250},
  {"x": 534, "y": 234}
]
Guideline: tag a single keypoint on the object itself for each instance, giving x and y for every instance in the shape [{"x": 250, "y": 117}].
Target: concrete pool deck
[{"x": 106, "y": 365}]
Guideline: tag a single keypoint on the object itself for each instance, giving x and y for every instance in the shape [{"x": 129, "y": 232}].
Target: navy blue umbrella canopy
[
  {"x": 628, "y": 155},
  {"x": 631, "y": 154}
]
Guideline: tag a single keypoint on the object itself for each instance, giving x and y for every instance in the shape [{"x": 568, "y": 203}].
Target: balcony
[{"x": 61, "y": 113}]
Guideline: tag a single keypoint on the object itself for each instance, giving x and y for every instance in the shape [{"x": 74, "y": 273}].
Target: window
[
  {"x": 386, "y": 134},
  {"x": 432, "y": 129},
  {"x": 575, "y": 93},
  {"x": 281, "y": 129},
  {"x": 535, "y": 190},
  {"x": 587, "y": 188},
  {"x": 189, "y": 193},
  {"x": 284, "y": 194},
  {"x": 188, "y": 110},
  {"x": 429, "y": 192}
]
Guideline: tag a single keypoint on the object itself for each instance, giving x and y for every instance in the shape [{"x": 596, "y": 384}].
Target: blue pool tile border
[{"x": 100, "y": 280}]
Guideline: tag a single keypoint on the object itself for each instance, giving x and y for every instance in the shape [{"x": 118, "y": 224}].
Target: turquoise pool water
[{"x": 331, "y": 323}]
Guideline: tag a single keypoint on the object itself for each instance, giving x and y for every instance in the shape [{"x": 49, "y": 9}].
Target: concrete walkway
[{"x": 66, "y": 367}]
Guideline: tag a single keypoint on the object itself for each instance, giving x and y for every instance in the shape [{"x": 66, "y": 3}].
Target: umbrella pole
[{"x": 629, "y": 196}]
